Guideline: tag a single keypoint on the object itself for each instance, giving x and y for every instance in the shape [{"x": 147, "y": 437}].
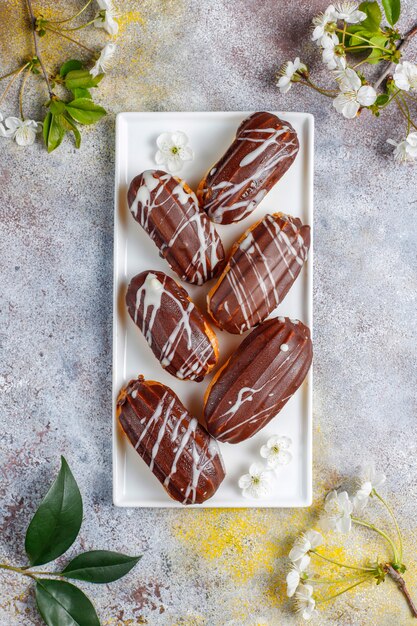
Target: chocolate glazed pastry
[
  {"x": 173, "y": 326},
  {"x": 181, "y": 454},
  {"x": 168, "y": 211},
  {"x": 262, "y": 267},
  {"x": 263, "y": 150},
  {"x": 259, "y": 378}
]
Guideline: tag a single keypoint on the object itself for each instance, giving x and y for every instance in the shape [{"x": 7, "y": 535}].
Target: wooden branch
[
  {"x": 400, "y": 582},
  {"x": 35, "y": 39},
  {"x": 401, "y": 46}
]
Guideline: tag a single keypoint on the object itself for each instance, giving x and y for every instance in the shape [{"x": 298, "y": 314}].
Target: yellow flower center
[{"x": 174, "y": 150}]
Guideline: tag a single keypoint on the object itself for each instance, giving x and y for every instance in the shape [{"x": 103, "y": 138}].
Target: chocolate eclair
[
  {"x": 261, "y": 269},
  {"x": 181, "y": 454},
  {"x": 264, "y": 148},
  {"x": 168, "y": 210},
  {"x": 179, "y": 336},
  {"x": 258, "y": 380}
]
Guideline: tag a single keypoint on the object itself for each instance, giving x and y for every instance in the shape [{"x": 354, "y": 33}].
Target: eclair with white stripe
[
  {"x": 262, "y": 267},
  {"x": 168, "y": 210},
  {"x": 258, "y": 380},
  {"x": 263, "y": 150},
  {"x": 175, "y": 329},
  {"x": 177, "y": 449}
]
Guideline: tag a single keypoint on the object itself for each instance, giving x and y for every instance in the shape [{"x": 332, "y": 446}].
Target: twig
[
  {"x": 400, "y": 582},
  {"x": 401, "y": 46},
  {"x": 61, "y": 34},
  {"x": 35, "y": 39}
]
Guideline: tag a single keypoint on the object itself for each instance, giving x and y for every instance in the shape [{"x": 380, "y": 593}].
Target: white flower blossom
[
  {"x": 304, "y": 602},
  {"x": 276, "y": 451},
  {"x": 288, "y": 71},
  {"x": 173, "y": 150},
  {"x": 330, "y": 56},
  {"x": 105, "y": 18},
  {"x": 257, "y": 483},
  {"x": 309, "y": 540},
  {"x": 405, "y": 76},
  {"x": 22, "y": 131},
  {"x": 349, "y": 13},
  {"x": 103, "y": 63},
  {"x": 322, "y": 22},
  {"x": 353, "y": 94},
  {"x": 406, "y": 150},
  {"x": 296, "y": 574},
  {"x": 337, "y": 512},
  {"x": 369, "y": 478}
]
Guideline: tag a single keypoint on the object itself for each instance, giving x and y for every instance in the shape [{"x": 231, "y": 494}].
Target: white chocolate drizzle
[
  {"x": 220, "y": 204},
  {"x": 152, "y": 197},
  {"x": 199, "y": 352}
]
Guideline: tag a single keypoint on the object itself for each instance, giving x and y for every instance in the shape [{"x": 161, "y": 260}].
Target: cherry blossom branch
[
  {"x": 400, "y": 582},
  {"x": 37, "y": 52},
  {"x": 403, "y": 43}
]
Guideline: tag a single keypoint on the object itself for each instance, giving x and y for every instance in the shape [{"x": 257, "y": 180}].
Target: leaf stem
[
  {"x": 61, "y": 34},
  {"x": 11, "y": 73},
  {"x": 15, "y": 76},
  {"x": 355, "y": 567},
  {"x": 380, "y": 532},
  {"x": 325, "y": 92},
  {"x": 339, "y": 593},
  {"x": 69, "y": 19},
  {"x": 79, "y": 27},
  {"x": 394, "y": 519},
  {"x": 340, "y": 30},
  {"x": 18, "y": 570},
  {"x": 37, "y": 52}
]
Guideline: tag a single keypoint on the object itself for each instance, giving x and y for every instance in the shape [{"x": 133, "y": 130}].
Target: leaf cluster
[
  {"x": 368, "y": 38},
  {"x": 64, "y": 116},
  {"x": 53, "y": 529}
]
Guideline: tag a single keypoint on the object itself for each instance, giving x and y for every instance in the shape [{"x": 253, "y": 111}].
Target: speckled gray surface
[{"x": 203, "y": 567}]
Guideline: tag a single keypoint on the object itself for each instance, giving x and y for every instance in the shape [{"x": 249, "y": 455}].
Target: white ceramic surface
[{"x": 209, "y": 135}]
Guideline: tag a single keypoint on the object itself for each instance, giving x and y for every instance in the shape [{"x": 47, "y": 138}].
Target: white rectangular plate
[{"x": 209, "y": 135}]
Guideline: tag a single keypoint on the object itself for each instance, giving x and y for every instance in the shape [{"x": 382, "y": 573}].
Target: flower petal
[
  {"x": 366, "y": 95},
  {"x": 245, "y": 481},
  {"x": 174, "y": 163},
  {"x": 179, "y": 138},
  {"x": 350, "y": 109},
  {"x": 186, "y": 153},
  {"x": 25, "y": 136},
  {"x": 164, "y": 142},
  {"x": 293, "y": 580},
  {"x": 160, "y": 157}
]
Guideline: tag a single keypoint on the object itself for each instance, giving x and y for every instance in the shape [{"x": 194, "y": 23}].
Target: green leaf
[
  {"x": 69, "y": 126},
  {"x": 81, "y": 92},
  {"x": 81, "y": 78},
  {"x": 62, "y": 604},
  {"x": 376, "y": 54},
  {"x": 392, "y": 10},
  {"x": 85, "y": 111},
  {"x": 56, "y": 107},
  {"x": 70, "y": 65},
  {"x": 53, "y": 133},
  {"x": 100, "y": 566},
  {"x": 374, "y": 16},
  {"x": 56, "y": 523},
  {"x": 382, "y": 99}
]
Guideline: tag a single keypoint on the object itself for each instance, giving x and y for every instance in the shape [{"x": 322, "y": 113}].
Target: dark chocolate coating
[
  {"x": 261, "y": 269},
  {"x": 263, "y": 150},
  {"x": 173, "y": 326},
  {"x": 168, "y": 211},
  {"x": 259, "y": 378},
  {"x": 177, "y": 449}
]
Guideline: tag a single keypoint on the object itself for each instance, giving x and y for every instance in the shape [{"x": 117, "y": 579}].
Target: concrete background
[{"x": 201, "y": 567}]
